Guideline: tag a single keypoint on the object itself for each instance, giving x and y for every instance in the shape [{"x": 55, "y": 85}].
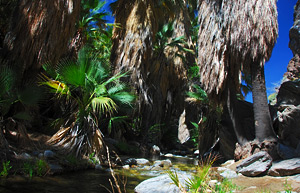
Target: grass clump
[
  {"x": 201, "y": 181},
  {"x": 5, "y": 169}
]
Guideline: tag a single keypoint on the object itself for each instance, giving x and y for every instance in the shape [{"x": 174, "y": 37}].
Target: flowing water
[{"x": 88, "y": 181}]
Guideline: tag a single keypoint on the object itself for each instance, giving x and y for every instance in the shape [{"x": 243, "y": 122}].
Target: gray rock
[
  {"x": 55, "y": 168},
  {"x": 255, "y": 165},
  {"x": 155, "y": 150},
  {"x": 130, "y": 161},
  {"x": 142, "y": 162},
  {"x": 169, "y": 155},
  {"x": 98, "y": 167},
  {"x": 285, "y": 167},
  {"x": 183, "y": 131},
  {"x": 227, "y": 173},
  {"x": 162, "y": 164},
  {"x": 25, "y": 156},
  {"x": 289, "y": 93},
  {"x": 41, "y": 155},
  {"x": 228, "y": 163},
  {"x": 49, "y": 154},
  {"x": 126, "y": 167},
  {"x": 288, "y": 118},
  {"x": 161, "y": 184}
]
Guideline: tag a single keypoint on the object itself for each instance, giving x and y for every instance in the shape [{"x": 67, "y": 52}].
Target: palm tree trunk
[{"x": 263, "y": 124}]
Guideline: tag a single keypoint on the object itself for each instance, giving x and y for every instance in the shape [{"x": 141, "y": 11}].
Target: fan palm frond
[
  {"x": 103, "y": 105},
  {"x": 7, "y": 79},
  {"x": 123, "y": 98},
  {"x": 56, "y": 86}
]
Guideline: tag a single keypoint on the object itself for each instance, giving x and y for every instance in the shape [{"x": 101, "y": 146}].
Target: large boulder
[
  {"x": 285, "y": 167},
  {"x": 255, "y": 165},
  {"x": 253, "y": 147},
  {"x": 161, "y": 184},
  {"x": 289, "y": 93},
  {"x": 293, "y": 68},
  {"x": 288, "y": 122}
]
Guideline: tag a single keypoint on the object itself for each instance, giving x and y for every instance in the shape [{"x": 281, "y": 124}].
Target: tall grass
[{"x": 200, "y": 182}]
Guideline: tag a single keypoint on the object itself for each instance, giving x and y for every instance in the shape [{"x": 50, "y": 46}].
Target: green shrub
[
  {"x": 42, "y": 167},
  {"x": 28, "y": 168},
  {"x": 5, "y": 169}
]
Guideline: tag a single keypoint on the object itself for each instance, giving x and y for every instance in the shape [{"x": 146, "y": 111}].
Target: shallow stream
[{"x": 87, "y": 181}]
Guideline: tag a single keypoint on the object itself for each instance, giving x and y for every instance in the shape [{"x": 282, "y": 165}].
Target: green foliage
[
  {"x": 272, "y": 98},
  {"x": 91, "y": 15},
  {"x": 198, "y": 96},
  {"x": 174, "y": 177},
  {"x": 287, "y": 187},
  {"x": 118, "y": 122},
  {"x": 193, "y": 72},
  {"x": 38, "y": 167},
  {"x": 42, "y": 167},
  {"x": 12, "y": 91},
  {"x": 164, "y": 40},
  {"x": 93, "y": 159},
  {"x": 194, "y": 132},
  {"x": 94, "y": 27},
  {"x": 200, "y": 181},
  {"x": 92, "y": 94},
  {"x": 28, "y": 168},
  {"x": 225, "y": 186},
  {"x": 5, "y": 169},
  {"x": 72, "y": 160}
]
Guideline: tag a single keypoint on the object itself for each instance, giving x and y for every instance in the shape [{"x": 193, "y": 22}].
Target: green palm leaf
[
  {"x": 116, "y": 88},
  {"x": 103, "y": 105},
  {"x": 116, "y": 122},
  {"x": 199, "y": 96},
  {"x": 7, "y": 79},
  {"x": 74, "y": 74},
  {"x": 125, "y": 98}
]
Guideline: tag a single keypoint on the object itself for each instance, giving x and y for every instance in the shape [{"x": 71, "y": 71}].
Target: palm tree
[
  {"x": 91, "y": 94},
  {"x": 159, "y": 79},
  {"x": 234, "y": 37},
  {"x": 39, "y": 31}
]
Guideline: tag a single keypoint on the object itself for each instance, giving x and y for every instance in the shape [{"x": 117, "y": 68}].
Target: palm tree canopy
[{"x": 233, "y": 35}]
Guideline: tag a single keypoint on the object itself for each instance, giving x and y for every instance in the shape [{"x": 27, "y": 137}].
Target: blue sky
[
  {"x": 277, "y": 65},
  {"x": 281, "y": 55}
]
